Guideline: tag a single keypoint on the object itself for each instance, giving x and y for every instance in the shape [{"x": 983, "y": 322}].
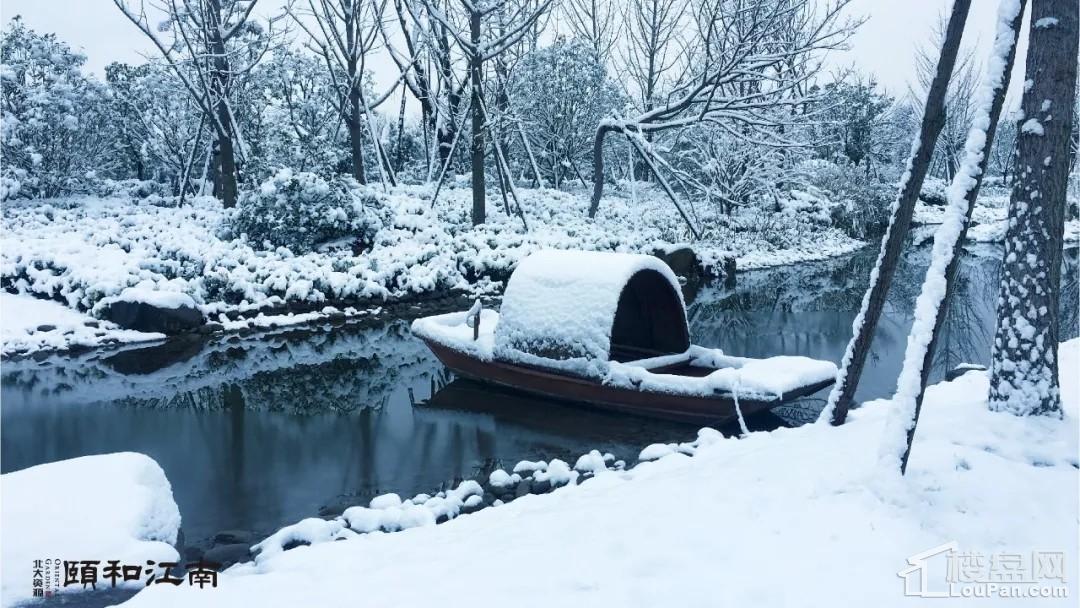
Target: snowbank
[
  {"x": 28, "y": 325},
  {"x": 84, "y": 250},
  {"x": 113, "y": 506},
  {"x": 795, "y": 517}
]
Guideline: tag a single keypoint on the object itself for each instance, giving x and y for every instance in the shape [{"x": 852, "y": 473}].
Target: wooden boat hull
[{"x": 546, "y": 383}]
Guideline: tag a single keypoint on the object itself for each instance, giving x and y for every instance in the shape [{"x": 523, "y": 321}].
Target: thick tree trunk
[
  {"x": 227, "y": 168},
  {"x": 892, "y": 245},
  {"x": 981, "y": 160},
  {"x": 225, "y": 184},
  {"x": 356, "y": 136},
  {"x": 475, "y": 69},
  {"x": 1024, "y": 366}
]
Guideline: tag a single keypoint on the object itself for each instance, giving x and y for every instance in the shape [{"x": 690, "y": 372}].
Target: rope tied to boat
[{"x": 738, "y": 410}]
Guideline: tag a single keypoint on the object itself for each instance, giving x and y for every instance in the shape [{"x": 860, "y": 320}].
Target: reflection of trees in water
[
  {"x": 1070, "y": 294},
  {"x": 759, "y": 306},
  {"x": 966, "y": 331},
  {"x": 340, "y": 370}
]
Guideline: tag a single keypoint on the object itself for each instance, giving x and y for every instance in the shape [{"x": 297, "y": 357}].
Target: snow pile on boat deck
[
  {"x": 796, "y": 517},
  {"x": 451, "y": 330},
  {"x": 766, "y": 379},
  {"x": 112, "y": 506}
]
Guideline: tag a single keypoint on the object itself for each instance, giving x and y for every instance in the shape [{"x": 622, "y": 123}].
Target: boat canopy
[{"x": 593, "y": 306}]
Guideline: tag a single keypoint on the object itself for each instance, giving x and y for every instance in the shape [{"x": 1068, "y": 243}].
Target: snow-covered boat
[{"x": 610, "y": 330}]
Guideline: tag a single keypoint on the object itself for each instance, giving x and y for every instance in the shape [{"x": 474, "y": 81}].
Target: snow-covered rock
[
  {"x": 151, "y": 310},
  {"x": 112, "y": 506},
  {"x": 29, "y": 325}
]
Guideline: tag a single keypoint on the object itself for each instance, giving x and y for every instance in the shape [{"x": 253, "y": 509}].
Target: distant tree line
[{"x": 717, "y": 101}]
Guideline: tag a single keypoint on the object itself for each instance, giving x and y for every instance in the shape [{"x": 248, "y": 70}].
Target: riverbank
[
  {"x": 724, "y": 509},
  {"x": 85, "y": 252}
]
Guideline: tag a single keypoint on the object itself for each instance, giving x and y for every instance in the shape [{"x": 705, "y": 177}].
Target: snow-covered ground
[
  {"x": 989, "y": 218},
  {"x": 108, "y": 507},
  {"x": 809, "y": 516},
  {"x": 85, "y": 250},
  {"x": 29, "y": 324}
]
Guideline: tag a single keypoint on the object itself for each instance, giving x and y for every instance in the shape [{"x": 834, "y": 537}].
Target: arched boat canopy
[{"x": 589, "y": 306}]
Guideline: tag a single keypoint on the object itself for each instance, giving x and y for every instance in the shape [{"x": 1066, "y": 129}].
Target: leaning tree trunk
[
  {"x": 598, "y": 167},
  {"x": 475, "y": 69},
  {"x": 892, "y": 243},
  {"x": 1024, "y": 366},
  {"x": 933, "y": 301}
]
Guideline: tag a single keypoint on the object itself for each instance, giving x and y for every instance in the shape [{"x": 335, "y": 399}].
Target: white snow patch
[
  {"x": 656, "y": 451},
  {"x": 110, "y": 506},
  {"x": 29, "y": 325},
  {"x": 1032, "y": 126}
]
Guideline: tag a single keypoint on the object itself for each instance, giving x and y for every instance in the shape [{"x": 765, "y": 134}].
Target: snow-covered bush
[
  {"x": 135, "y": 189},
  {"x": 51, "y": 117},
  {"x": 934, "y": 191},
  {"x": 861, "y": 202},
  {"x": 301, "y": 211}
]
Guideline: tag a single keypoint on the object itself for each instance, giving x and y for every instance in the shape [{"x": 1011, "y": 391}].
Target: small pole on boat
[{"x": 472, "y": 319}]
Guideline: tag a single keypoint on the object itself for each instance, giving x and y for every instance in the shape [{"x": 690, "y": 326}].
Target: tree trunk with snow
[
  {"x": 1024, "y": 366},
  {"x": 892, "y": 244},
  {"x": 225, "y": 185},
  {"x": 940, "y": 282},
  {"x": 476, "y": 80},
  {"x": 356, "y": 135}
]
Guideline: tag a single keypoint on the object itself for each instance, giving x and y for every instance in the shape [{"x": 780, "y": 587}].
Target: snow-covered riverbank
[
  {"x": 811, "y": 506},
  {"x": 80, "y": 251}
]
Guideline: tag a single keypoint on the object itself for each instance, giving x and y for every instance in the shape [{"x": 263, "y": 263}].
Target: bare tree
[
  {"x": 478, "y": 45},
  {"x": 344, "y": 34},
  {"x": 892, "y": 243},
  {"x": 959, "y": 108},
  {"x": 594, "y": 21},
  {"x": 653, "y": 46},
  {"x": 739, "y": 75},
  {"x": 421, "y": 49},
  {"x": 1024, "y": 366},
  {"x": 209, "y": 44}
]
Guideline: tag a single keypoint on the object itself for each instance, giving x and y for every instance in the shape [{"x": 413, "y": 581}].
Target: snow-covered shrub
[
  {"x": 301, "y": 211},
  {"x": 135, "y": 189},
  {"x": 51, "y": 117},
  {"x": 861, "y": 202},
  {"x": 934, "y": 191}
]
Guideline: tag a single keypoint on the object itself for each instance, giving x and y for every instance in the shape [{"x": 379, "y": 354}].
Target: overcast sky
[{"x": 884, "y": 46}]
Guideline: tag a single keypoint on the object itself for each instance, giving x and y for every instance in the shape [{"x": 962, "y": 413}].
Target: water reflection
[
  {"x": 258, "y": 432},
  {"x": 808, "y": 310}
]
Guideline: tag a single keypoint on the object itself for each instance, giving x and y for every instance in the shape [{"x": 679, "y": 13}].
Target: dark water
[{"x": 258, "y": 432}]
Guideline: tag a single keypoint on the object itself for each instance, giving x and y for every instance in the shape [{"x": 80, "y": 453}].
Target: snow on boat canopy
[{"x": 609, "y": 329}]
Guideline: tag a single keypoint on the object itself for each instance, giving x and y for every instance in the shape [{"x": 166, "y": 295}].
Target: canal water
[{"x": 258, "y": 432}]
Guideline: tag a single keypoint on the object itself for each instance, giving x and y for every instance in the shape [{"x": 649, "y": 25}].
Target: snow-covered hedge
[
  {"x": 861, "y": 202},
  {"x": 301, "y": 211},
  {"x": 83, "y": 249}
]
